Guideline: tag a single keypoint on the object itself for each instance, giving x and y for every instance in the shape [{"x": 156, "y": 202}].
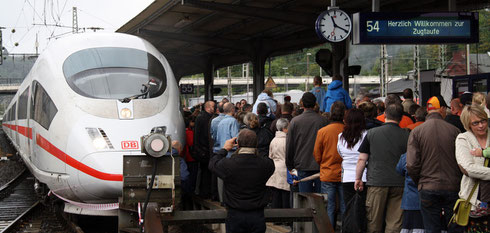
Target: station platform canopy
[{"x": 196, "y": 34}]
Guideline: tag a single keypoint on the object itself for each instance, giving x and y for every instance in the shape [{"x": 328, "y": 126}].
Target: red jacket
[{"x": 189, "y": 138}]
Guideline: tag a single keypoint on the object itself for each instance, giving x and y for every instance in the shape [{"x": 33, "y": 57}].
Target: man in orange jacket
[{"x": 327, "y": 156}]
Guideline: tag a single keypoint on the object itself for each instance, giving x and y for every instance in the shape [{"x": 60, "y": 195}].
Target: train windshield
[{"x": 115, "y": 73}]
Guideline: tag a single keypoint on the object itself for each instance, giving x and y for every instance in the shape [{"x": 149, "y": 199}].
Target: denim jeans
[
  {"x": 332, "y": 189},
  {"x": 311, "y": 186},
  {"x": 431, "y": 205}
]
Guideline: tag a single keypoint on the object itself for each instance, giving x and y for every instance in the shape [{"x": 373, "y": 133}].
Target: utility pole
[
  {"x": 229, "y": 85},
  {"x": 37, "y": 46},
  {"x": 307, "y": 70},
  {"x": 75, "y": 20},
  {"x": 442, "y": 56},
  {"x": 285, "y": 78},
  {"x": 384, "y": 70},
  {"x": 1, "y": 46},
  {"x": 375, "y": 7},
  {"x": 416, "y": 72},
  {"x": 245, "y": 67}
]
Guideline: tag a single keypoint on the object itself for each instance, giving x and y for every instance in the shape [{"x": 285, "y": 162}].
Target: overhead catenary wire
[
  {"x": 35, "y": 13},
  {"x": 81, "y": 10}
]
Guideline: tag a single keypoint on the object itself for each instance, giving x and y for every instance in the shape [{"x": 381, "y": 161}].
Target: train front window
[{"x": 115, "y": 73}]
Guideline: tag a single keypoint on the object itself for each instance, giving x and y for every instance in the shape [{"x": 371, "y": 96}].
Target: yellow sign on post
[{"x": 270, "y": 83}]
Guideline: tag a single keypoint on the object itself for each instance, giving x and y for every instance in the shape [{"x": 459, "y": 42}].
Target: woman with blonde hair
[
  {"x": 479, "y": 99},
  {"x": 469, "y": 157}
]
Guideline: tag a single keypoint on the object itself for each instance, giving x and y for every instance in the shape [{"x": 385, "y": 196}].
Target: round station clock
[{"x": 334, "y": 25}]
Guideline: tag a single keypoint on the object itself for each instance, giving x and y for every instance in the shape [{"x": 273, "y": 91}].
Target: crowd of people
[{"x": 408, "y": 163}]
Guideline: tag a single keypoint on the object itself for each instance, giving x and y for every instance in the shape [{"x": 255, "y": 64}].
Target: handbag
[{"x": 462, "y": 208}]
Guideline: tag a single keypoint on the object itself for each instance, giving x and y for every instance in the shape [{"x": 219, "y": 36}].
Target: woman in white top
[
  {"x": 278, "y": 180},
  {"x": 348, "y": 144},
  {"x": 469, "y": 157}
]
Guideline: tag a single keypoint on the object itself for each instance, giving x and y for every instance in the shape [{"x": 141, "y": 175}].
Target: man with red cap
[{"x": 431, "y": 163}]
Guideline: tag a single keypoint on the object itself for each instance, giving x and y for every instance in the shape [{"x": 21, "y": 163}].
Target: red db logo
[{"x": 125, "y": 145}]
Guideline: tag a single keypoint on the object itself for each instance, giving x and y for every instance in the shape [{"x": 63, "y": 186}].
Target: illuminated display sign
[{"x": 415, "y": 28}]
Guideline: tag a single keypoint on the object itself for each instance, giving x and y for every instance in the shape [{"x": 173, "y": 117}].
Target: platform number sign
[
  {"x": 186, "y": 88},
  {"x": 415, "y": 28}
]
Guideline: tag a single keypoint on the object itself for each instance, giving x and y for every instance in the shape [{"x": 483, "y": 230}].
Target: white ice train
[{"x": 85, "y": 103}]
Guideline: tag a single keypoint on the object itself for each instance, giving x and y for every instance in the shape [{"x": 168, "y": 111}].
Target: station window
[
  {"x": 44, "y": 108},
  {"x": 23, "y": 99},
  {"x": 115, "y": 73}
]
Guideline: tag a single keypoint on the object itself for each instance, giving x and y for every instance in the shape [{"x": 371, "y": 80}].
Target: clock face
[{"x": 334, "y": 25}]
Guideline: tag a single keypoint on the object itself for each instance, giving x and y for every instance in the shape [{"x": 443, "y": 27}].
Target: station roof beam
[
  {"x": 198, "y": 36},
  {"x": 285, "y": 16},
  {"x": 236, "y": 45}
]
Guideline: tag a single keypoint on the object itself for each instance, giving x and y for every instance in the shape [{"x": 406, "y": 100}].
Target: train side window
[
  {"x": 22, "y": 111},
  {"x": 44, "y": 108},
  {"x": 13, "y": 111},
  {"x": 10, "y": 114}
]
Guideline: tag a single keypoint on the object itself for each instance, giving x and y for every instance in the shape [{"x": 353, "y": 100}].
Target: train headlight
[
  {"x": 99, "y": 143},
  {"x": 98, "y": 140},
  {"x": 125, "y": 113}
]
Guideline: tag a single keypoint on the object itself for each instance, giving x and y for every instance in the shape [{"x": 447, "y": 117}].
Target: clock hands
[
  {"x": 343, "y": 29},
  {"x": 333, "y": 21},
  {"x": 337, "y": 26}
]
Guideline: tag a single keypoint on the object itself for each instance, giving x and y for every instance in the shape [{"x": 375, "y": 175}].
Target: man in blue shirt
[
  {"x": 318, "y": 91},
  {"x": 228, "y": 128},
  {"x": 214, "y": 126}
]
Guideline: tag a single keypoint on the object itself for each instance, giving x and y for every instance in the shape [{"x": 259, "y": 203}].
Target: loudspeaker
[{"x": 324, "y": 59}]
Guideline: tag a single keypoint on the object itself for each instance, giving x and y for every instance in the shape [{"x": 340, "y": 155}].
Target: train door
[
  {"x": 22, "y": 122},
  {"x": 15, "y": 135},
  {"x": 45, "y": 146},
  {"x": 31, "y": 125}
]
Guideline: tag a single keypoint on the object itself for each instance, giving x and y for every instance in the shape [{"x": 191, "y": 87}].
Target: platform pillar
[
  {"x": 208, "y": 82},
  {"x": 259, "y": 57}
]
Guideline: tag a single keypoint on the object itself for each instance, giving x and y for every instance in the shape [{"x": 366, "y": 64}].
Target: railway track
[
  {"x": 17, "y": 198},
  {"x": 21, "y": 211}
]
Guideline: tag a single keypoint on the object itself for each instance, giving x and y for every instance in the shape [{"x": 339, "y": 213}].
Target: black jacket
[
  {"x": 244, "y": 176},
  {"x": 264, "y": 138},
  {"x": 265, "y": 121},
  {"x": 202, "y": 138},
  {"x": 456, "y": 121},
  {"x": 373, "y": 123}
]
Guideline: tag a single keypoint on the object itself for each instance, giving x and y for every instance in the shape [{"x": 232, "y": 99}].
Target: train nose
[{"x": 100, "y": 176}]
